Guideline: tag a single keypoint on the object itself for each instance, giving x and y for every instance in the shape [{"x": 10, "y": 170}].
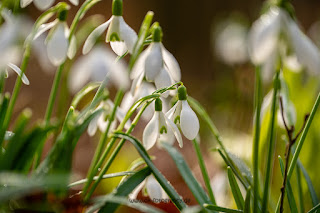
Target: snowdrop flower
[
  {"x": 57, "y": 42},
  {"x": 121, "y": 37},
  {"x": 43, "y": 4},
  {"x": 95, "y": 66},
  {"x": 101, "y": 121},
  {"x": 182, "y": 114},
  {"x": 265, "y": 40},
  {"x": 152, "y": 188},
  {"x": 160, "y": 128},
  {"x": 156, "y": 64}
]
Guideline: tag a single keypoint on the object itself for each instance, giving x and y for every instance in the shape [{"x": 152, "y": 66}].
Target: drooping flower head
[
  {"x": 43, "y": 4},
  {"x": 122, "y": 38},
  {"x": 266, "y": 44},
  {"x": 182, "y": 115},
  {"x": 160, "y": 128},
  {"x": 156, "y": 64},
  {"x": 57, "y": 42}
]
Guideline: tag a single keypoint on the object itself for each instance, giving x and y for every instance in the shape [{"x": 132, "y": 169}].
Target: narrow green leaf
[
  {"x": 168, "y": 188},
  {"x": 235, "y": 189},
  {"x": 3, "y": 110},
  {"x": 247, "y": 201},
  {"x": 315, "y": 209},
  {"x": 187, "y": 175},
  {"x": 221, "y": 209},
  {"x": 122, "y": 201},
  {"x": 300, "y": 194},
  {"x": 312, "y": 191},
  {"x": 289, "y": 192},
  {"x": 125, "y": 189},
  {"x": 83, "y": 92}
]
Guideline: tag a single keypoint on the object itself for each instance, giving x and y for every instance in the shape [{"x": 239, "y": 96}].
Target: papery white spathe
[
  {"x": 265, "y": 37},
  {"x": 160, "y": 128},
  {"x": 101, "y": 122},
  {"x": 43, "y": 4},
  {"x": 122, "y": 38},
  {"x": 158, "y": 65},
  {"x": 58, "y": 47},
  {"x": 95, "y": 66},
  {"x": 153, "y": 189},
  {"x": 182, "y": 114}
]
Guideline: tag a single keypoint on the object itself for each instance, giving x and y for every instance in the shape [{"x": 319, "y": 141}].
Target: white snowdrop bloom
[
  {"x": 43, "y": 4},
  {"x": 182, "y": 114},
  {"x": 122, "y": 38},
  {"x": 95, "y": 66},
  {"x": 157, "y": 64},
  {"x": 230, "y": 43},
  {"x": 265, "y": 40},
  {"x": 101, "y": 121},
  {"x": 57, "y": 42},
  {"x": 160, "y": 128},
  {"x": 152, "y": 188}
]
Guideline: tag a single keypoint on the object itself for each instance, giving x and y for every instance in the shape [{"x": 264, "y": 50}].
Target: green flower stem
[
  {"x": 103, "y": 140},
  {"x": 85, "y": 7},
  {"x": 204, "y": 171},
  {"x": 256, "y": 138},
  {"x": 115, "y": 152},
  {"x": 266, "y": 191}
]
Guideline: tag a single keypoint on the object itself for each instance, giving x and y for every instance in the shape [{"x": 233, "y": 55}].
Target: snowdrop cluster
[
  {"x": 274, "y": 34},
  {"x": 43, "y": 4}
]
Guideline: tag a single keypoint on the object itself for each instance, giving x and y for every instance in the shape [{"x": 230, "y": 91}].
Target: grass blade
[
  {"x": 235, "y": 189},
  {"x": 247, "y": 201},
  {"x": 221, "y": 209},
  {"x": 125, "y": 189},
  {"x": 187, "y": 175},
  {"x": 314, "y": 209},
  {"x": 171, "y": 192},
  {"x": 299, "y": 183}
]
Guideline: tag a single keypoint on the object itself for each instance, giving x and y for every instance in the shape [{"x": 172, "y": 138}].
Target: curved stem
[
  {"x": 255, "y": 147},
  {"x": 268, "y": 175}
]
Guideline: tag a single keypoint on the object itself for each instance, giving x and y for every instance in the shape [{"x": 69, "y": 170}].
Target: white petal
[
  {"x": 44, "y": 27},
  {"x": 154, "y": 61},
  {"x": 74, "y": 2},
  {"x": 24, "y": 3},
  {"x": 133, "y": 195},
  {"x": 119, "y": 74},
  {"x": 154, "y": 189},
  {"x": 175, "y": 131},
  {"x": 127, "y": 101},
  {"x": 120, "y": 116},
  {"x": 151, "y": 132},
  {"x": 43, "y": 4},
  {"x": 138, "y": 67},
  {"x": 163, "y": 80},
  {"x": 136, "y": 84},
  {"x": 93, "y": 125},
  {"x": 15, "y": 68},
  {"x": 264, "y": 35},
  {"x": 72, "y": 48},
  {"x": 171, "y": 63},
  {"x": 119, "y": 47},
  {"x": 114, "y": 28},
  {"x": 189, "y": 122},
  {"x": 80, "y": 73},
  {"x": 91, "y": 40},
  {"x": 170, "y": 113},
  {"x": 128, "y": 35},
  {"x": 57, "y": 46},
  {"x": 307, "y": 53}
]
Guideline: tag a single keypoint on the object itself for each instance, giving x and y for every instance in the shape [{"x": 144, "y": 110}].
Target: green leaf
[
  {"x": 291, "y": 200},
  {"x": 3, "y": 110},
  {"x": 83, "y": 92},
  {"x": 125, "y": 189},
  {"x": 235, "y": 189},
  {"x": 247, "y": 201},
  {"x": 122, "y": 201},
  {"x": 187, "y": 175},
  {"x": 15, "y": 145},
  {"x": 312, "y": 191},
  {"x": 299, "y": 183},
  {"x": 221, "y": 209},
  {"x": 171, "y": 192}
]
